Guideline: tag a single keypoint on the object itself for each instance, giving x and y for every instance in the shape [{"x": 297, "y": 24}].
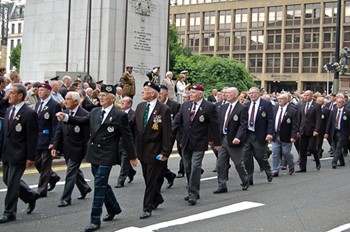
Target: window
[
  {"x": 292, "y": 39},
  {"x": 18, "y": 41},
  {"x": 224, "y": 41},
  {"x": 258, "y": 17},
  {"x": 312, "y": 13},
  {"x": 209, "y": 20},
  {"x": 291, "y": 62},
  {"x": 225, "y": 19},
  {"x": 241, "y": 18},
  {"x": 273, "y": 62},
  {"x": 19, "y": 28},
  {"x": 208, "y": 42},
  {"x": 311, "y": 37},
  {"x": 13, "y": 28},
  {"x": 330, "y": 12},
  {"x": 12, "y": 44},
  {"x": 240, "y": 57},
  {"x": 293, "y": 15},
  {"x": 180, "y": 22},
  {"x": 347, "y": 11},
  {"x": 195, "y": 21},
  {"x": 193, "y": 42},
  {"x": 255, "y": 63},
  {"x": 310, "y": 62},
  {"x": 257, "y": 40},
  {"x": 274, "y": 39},
  {"x": 275, "y": 16},
  {"x": 240, "y": 40},
  {"x": 329, "y": 34}
]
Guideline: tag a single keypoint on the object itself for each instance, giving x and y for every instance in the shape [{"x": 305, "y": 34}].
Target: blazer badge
[
  {"x": 201, "y": 118},
  {"x": 18, "y": 127},
  {"x": 235, "y": 118},
  {"x": 289, "y": 121},
  {"x": 322, "y": 116},
  {"x": 77, "y": 129},
  {"x": 344, "y": 117},
  {"x": 263, "y": 114},
  {"x": 47, "y": 115},
  {"x": 110, "y": 129},
  {"x": 110, "y": 119}
]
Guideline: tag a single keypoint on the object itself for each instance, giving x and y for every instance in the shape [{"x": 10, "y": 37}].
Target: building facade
[{"x": 284, "y": 44}]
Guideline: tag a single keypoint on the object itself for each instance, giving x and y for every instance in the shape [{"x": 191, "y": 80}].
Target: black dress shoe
[
  {"x": 145, "y": 215},
  {"x": 192, "y": 201},
  {"x": 171, "y": 181},
  {"x": 7, "y": 218},
  {"x": 187, "y": 197},
  {"x": 341, "y": 165},
  {"x": 269, "y": 176},
  {"x": 110, "y": 216},
  {"x": 64, "y": 203},
  {"x": 180, "y": 175},
  {"x": 251, "y": 182},
  {"x": 318, "y": 166},
  {"x": 92, "y": 227},
  {"x": 131, "y": 176},
  {"x": 53, "y": 183},
  {"x": 245, "y": 186},
  {"x": 301, "y": 170},
  {"x": 83, "y": 195},
  {"x": 42, "y": 195},
  {"x": 155, "y": 205},
  {"x": 291, "y": 171},
  {"x": 119, "y": 185},
  {"x": 31, "y": 205},
  {"x": 218, "y": 191},
  {"x": 334, "y": 166}
]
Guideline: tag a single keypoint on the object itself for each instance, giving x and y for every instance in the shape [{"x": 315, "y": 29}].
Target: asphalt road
[{"x": 312, "y": 201}]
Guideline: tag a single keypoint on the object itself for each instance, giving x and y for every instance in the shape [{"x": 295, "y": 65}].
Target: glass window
[
  {"x": 310, "y": 62},
  {"x": 225, "y": 19},
  {"x": 240, "y": 40},
  {"x": 180, "y": 22},
  {"x": 258, "y": 17},
  {"x": 241, "y": 18},
  {"x": 312, "y": 13},
  {"x": 257, "y": 40},
  {"x": 293, "y": 15},
  {"x": 255, "y": 63},
  {"x": 347, "y": 11},
  {"x": 275, "y": 16},
  {"x": 311, "y": 37},
  {"x": 274, "y": 39},
  {"x": 292, "y": 39},
  {"x": 224, "y": 41},
  {"x": 291, "y": 62},
  {"x": 208, "y": 42},
  {"x": 195, "y": 21},
  {"x": 273, "y": 63},
  {"x": 209, "y": 20}
]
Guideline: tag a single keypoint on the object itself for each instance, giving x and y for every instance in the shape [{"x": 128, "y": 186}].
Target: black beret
[
  {"x": 164, "y": 87},
  {"x": 55, "y": 78},
  {"x": 152, "y": 85},
  {"x": 108, "y": 89}
]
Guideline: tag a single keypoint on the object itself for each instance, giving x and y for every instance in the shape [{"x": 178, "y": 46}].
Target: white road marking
[
  {"x": 209, "y": 178},
  {"x": 340, "y": 228},
  {"x": 35, "y": 185},
  {"x": 197, "y": 217}
]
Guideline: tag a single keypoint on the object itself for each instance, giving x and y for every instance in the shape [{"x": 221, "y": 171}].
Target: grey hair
[{"x": 75, "y": 95}]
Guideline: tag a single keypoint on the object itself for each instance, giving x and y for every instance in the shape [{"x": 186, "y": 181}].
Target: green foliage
[
  {"x": 175, "y": 47},
  {"x": 15, "y": 57}
]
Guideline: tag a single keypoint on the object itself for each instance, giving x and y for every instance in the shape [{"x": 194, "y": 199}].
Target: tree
[
  {"x": 15, "y": 57},
  {"x": 175, "y": 47}
]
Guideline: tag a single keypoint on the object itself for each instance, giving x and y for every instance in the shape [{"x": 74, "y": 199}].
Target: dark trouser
[
  {"x": 339, "y": 146},
  {"x": 307, "y": 143},
  {"x": 103, "y": 193},
  {"x": 74, "y": 176},
  {"x": 43, "y": 163},
  {"x": 153, "y": 176},
  {"x": 320, "y": 139},
  {"x": 15, "y": 188},
  {"x": 125, "y": 167},
  {"x": 253, "y": 148},
  {"x": 223, "y": 161},
  {"x": 181, "y": 162},
  {"x": 193, "y": 170}
]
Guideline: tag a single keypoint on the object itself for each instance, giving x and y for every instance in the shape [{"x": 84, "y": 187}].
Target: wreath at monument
[{"x": 336, "y": 67}]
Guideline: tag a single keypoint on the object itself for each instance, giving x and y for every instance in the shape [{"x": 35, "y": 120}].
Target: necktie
[
  {"x": 280, "y": 120},
  {"x": 331, "y": 106},
  {"x": 307, "y": 107},
  {"x": 145, "y": 115},
  {"x": 252, "y": 116},
  {"x": 193, "y": 111},
  {"x": 102, "y": 115},
  {"x": 228, "y": 117},
  {"x": 337, "y": 120},
  {"x": 41, "y": 107},
  {"x": 12, "y": 116}
]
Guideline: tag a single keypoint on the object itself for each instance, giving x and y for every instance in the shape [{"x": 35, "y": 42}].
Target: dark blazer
[
  {"x": 72, "y": 140},
  {"x": 103, "y": 145},
  {"x": 87, "y": 104},
  {"x": 289, "y": 124},
  {"x": 328, "y": 105},
  {"x": 47, "y": 123},
  {"x": 325, "y": 112},
  {"x": 344, "y": 124},
  {"x": 203, "y": 128},
  {"x": 311, "y": 121},
  {"x": 19, "y": 142},
  {"x": 174, "y": 108},
  {"x": 155, "y": 138},
  {"x": 237, "y": 123},
  {"x": 211, "y": 98},
  {"x": 218, "y": 106},
  {"x": 264, "y": 121},
  {"x": 3, "y": 104}
]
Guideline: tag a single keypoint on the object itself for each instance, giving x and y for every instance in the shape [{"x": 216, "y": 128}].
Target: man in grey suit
[
  {"x": 17, "y": 150},
  {"x": 107, "y": 125},
  {"x": 71, "y": 140}
]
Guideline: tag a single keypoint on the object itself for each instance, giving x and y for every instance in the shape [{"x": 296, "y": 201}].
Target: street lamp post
[{"x": 337, "y": 47}]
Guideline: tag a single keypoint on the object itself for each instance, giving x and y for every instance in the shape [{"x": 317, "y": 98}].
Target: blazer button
[
  {"x": 92, "y": 143},
  {"x": 98, "y": 145}
]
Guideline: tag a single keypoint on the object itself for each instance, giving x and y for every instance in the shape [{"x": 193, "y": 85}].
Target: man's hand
[
  {"x": 292, "y": 140},
  {"x": 164, "y": 158},
  {"x": 134, "y": 162},
  {"x": 60, "y": 116},
  {"x": 315, "y": 133},
  {"x": 326, "y": 136},
  {"x": 268, "y": 138},
  {"x": 53, "y": 152},
  {"x": 30, "y": 163},
  {"x": 50, "y": 146},
  {"x": 236, "y": 141},
  {"x": 218, "y": 148}
]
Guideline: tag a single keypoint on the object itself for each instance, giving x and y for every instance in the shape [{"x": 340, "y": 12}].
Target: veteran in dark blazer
[
  {"x": 310, "y": 127},
  {"x": 325, "y": 112},
  {"x": 199, "y": 120},
  {"x": 153, "y": 144},
  {"x": 285, "y": 134},
  {"x": 107, "y": 125},
  {"x": 71, "y": 140},
  {"x": 338, "y": 128},
  {"x": 259, "y": 133},
  {"x": 233, "y": 126},
  {"x": 46, "y": 108},
  {"x": 18, "y": 143}
]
